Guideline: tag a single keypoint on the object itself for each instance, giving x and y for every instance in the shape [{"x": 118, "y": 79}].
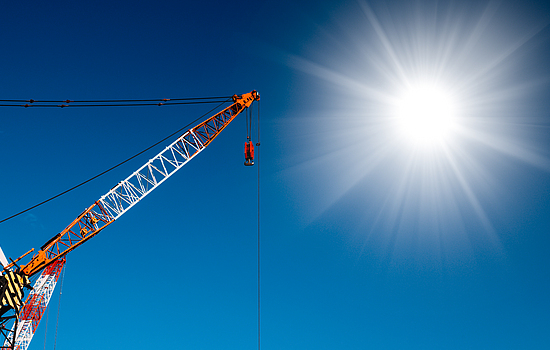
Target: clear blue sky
[{"x": 367, "y": 241}]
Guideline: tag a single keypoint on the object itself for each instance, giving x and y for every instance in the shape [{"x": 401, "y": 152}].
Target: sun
[{"x": 425, "y": 114}]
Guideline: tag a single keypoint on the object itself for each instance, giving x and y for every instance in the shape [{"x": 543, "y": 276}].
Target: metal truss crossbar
[
  {"x": 37, "y": 301},
  {"x": 102, "y": 213},
  {"x": 138, "y": 185}
]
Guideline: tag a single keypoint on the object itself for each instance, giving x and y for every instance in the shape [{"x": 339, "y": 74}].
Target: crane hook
[{"x": 248, "y": 153}]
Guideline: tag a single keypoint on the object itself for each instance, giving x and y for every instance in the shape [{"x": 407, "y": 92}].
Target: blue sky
[{"x": 368, "y": 241}]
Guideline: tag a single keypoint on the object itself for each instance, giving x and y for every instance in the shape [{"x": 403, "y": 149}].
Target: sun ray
[
  {"x": 450, "y": 57},
  {"x": 384, "y": 39}
]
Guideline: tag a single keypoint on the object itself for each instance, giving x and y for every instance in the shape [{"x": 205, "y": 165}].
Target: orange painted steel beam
[{"x": 128, "y": 192}]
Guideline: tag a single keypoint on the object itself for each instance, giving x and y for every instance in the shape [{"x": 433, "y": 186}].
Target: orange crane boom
[
  {"x": 113, "y": 204},
  {"x": 99, "y": 215}
]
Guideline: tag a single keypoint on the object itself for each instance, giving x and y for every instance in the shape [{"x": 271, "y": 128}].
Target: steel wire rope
[
  {"x": 121, "y": 100},
  {"x": 249, "y": 124},
  {"x": 109, "y": 105},
  {"x": 58, "y": 307},
  {"x": 258, "y": 162},
  {"x": 114, "y": 167},
  {"x": 46, "y": 330}
]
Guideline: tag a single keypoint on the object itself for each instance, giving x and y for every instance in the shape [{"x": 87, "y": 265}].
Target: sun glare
[
  {"x": 425, "y": 114},
  {"x": 433, "y": 99}
]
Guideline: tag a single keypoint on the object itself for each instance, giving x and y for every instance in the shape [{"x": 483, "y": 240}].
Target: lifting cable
[
  {"x": 258, "y": 165},
  {"x": 46, "y": 330},
  {"x": 58, "y": 307},
  {"x": 119, "y": 164},
  {"x": 248, "y": 124}
]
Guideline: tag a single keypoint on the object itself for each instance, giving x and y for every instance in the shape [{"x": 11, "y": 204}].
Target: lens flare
[
  {"x": 426, "y": 107},
  {"x": 425, "y": 114}
]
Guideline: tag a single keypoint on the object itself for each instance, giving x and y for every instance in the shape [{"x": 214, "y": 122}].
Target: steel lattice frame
[
  {"x": 6, "y": 332},
  {"x": 105, "y": 211},
  {"x": 138, "y": 185},
  {"x": 36, "y": 304},
  {"x": 134, "y": 188}
]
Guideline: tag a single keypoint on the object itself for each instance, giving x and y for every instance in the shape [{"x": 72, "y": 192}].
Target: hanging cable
[
  {"x": 247, "y": 127},
  {"x": 250, "y": 123},
  {"x": 58, "y": 307},
  {"x": 121, "y": 100},
  {"x": 27, "y": 105},
  {"x": 258, "y": 143},
  {"x": 125, "y": 100},
  {"x": 114, "y": 167},
  {"x": 46, "y": 330},
  {"x": 258, "y": 164}
]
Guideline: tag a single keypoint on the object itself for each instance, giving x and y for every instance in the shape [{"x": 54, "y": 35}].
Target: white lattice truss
[
  {"x": 138, "y": 185},
  {"x": 115, "y": 203},
  {"x": 134, "y": 188}
]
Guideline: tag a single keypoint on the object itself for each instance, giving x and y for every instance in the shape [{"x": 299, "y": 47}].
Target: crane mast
[
  {"x": 97, "y": 217},
  {"x": 37, "y": 302}
]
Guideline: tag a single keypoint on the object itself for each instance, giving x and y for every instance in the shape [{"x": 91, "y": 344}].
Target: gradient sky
[{"x": 367, "y": 242}]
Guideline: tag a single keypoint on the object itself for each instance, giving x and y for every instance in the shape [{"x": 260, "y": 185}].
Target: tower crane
[{"x": 50, "y": 258}]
